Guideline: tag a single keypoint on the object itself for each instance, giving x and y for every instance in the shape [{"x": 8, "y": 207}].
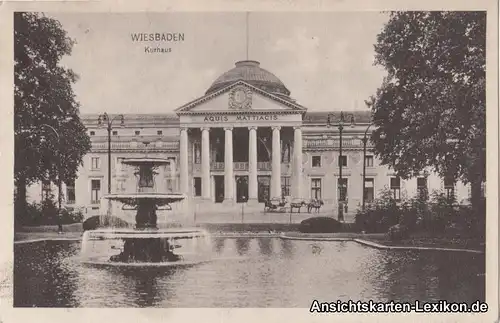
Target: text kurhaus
[{"x": 166, "y": 37}]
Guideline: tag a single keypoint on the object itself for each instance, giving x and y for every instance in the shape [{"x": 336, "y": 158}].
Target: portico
[{"x": 243, "y": 149}]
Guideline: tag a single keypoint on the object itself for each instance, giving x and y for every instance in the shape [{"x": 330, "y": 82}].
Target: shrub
[
  {"x": 47, "y": 213},
  {"x": 320, "y": 224},
  {"x": 398, "y": 232},
  {"x": 380, "y": 215}
]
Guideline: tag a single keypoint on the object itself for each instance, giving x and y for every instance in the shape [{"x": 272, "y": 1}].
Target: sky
[{"x": 324, "y": 59}]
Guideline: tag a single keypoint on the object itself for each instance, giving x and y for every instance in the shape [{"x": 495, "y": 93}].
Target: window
[
  {"x": 316, "y": 188},
  {"x": 449, "y": 187},
  {"x": 286, "y": 151},
  {"x": 396, "y": 188},
  {"x": 119, "y": 164},
  {"x": 159, "y": 132},
  {"x": 197, "y": 186},
  {"x": 197, "y": 152},
  {"x": 137, "y": 132},
  {"x": 343, "y": 161},
  {"x": 115, "y": 132},
  {"x": 70, "y": 192},
  {"x": 92, "y": 133},
  {"x": 369, "y": 161},
  {"x": 95, "y": 190},
  {"x": 96, "y": 163},
  {"x": 285, "y": 186},
  {"x": 342, "y": 189},
  {"x": 46, "y": 191},
  {"x": 369, "y": 190},
  {"x": 316, "y": 161},
  {"x": 422, "y": 187}
]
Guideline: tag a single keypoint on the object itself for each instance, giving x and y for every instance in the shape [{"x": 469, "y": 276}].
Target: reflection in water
[
  {"x": 219, "y": 245},
  {"x": 43, "y": 278},
  {"x": 286, "y": 248},
  {"x": 265, "y": 246},
  {"x": 267, "y": 272},
  {"x": 242, "y": 246}
]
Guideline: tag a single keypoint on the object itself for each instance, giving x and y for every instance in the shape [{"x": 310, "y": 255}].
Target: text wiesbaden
[{"x": 397, "y": 307}]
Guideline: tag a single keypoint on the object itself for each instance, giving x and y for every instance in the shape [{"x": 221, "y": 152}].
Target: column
[
  {"x": 252, "y": 165},
  {"x": 297, "y": 162},
  {"x": 276, "y": 164},
  {"x": 183, "y": 162},
  {"x": 228, "y": 166},
  {"x": 173, "y": 175},
  {"x": 205, "y": 163}
]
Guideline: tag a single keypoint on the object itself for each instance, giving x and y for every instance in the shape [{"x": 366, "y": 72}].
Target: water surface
[{"x": 249, "y": 272}]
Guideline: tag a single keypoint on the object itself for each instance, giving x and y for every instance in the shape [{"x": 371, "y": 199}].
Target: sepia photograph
[{"x": 328, "y": 161}]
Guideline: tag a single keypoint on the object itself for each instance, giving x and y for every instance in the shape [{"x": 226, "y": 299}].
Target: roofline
[{"x": 226, "y": 88}]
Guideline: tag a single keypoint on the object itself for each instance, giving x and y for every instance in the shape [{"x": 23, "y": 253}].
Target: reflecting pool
[{"x": 248, "y": 272}]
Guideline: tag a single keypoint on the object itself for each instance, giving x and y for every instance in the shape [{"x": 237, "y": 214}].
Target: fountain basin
[
  {"x": 159, "y": 199},
  {"x": 146, "y": 161},
  {"x": 146, "y": 247}
]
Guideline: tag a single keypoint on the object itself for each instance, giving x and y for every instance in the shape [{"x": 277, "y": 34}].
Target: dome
[{"x": 252, "y": 73}]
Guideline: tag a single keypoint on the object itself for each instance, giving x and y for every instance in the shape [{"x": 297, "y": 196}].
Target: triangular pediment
[{"x": 241, "y": 97}]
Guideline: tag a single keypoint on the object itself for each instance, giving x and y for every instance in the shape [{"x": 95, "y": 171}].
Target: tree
[
  {"x": 43, "y": 94},
  {"x": 430, "y": 110}
]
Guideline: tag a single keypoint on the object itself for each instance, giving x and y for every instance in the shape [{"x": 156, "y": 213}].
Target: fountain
[{"x": 146, "y": 244}]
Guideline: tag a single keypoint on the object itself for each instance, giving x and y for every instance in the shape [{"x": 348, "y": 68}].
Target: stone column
[
  {"x": 276, "y": 164},
  {"x": 252, "y": 165},
  {"x": 228, "y": 166},
  {"x": 297, "y": 162},
  {"x": 205, "y": 163},
  {"x": 183, "y": 162}
]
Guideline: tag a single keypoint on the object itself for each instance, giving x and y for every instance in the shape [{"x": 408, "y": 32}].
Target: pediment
[{"x": 240, "y": 97}]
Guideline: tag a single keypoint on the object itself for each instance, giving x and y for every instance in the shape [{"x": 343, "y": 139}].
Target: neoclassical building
[{"x": 245, "y": 140}]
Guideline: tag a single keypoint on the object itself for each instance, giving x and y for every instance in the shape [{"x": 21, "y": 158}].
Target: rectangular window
[
  {"x": 342, "y": 188},
  {"x": 159, "y": 132},
  {"x": 343, "y": 161},
  {"x": 92, "y": 133},
  {"x": 285, "y": 186},
  {"x": 449, "y": 187},
  {"x": 115, "y": 132},
  {"x": 316, "y": 188},
  {"x": 197, "y": 186},
  {"x": 119, "y": 164},
  {"x": 197, "y": 152},
  {"x": 369, "y": 190},
  {"x": 70, "y": 192},
  {"x": 316, "y": 161},
  {"x": 96, "y": 163},
  {"x": 369, "y": 161},
  {"x": 137, "y": 132},
  {"x": 422, "y": 187},
  {"x": 95, "y": 191},
  {"x": 396, "y": 188},
  {"x": 46, "y": 190}
]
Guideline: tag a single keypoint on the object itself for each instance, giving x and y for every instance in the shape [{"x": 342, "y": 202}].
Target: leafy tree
[
  {"x": 44, "y": 96},
  {"x": 430, "y": 110}
]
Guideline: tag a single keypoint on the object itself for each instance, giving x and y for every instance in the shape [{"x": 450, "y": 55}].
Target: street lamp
[
  {"x": 59, "y": 181},
  {"x": 340, "y": 125},
  {"x": 105, "y": 120}
]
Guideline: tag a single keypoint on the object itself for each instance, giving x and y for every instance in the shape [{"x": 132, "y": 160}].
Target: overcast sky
[{"x": 324, "y": 59}]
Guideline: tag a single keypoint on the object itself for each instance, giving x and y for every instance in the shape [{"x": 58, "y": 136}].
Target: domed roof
[{"x": 252, "y": 73}]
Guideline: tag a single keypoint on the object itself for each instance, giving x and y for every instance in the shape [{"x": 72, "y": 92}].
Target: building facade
[{"x": 244, "y": 141}]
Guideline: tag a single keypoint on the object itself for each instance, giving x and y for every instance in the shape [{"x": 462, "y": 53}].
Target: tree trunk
[
  {"x": 20, "y": 201},
  {"x": 476, "y": 195}
]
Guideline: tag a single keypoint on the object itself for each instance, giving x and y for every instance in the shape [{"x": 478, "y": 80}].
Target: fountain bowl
[
  {"x": 159, "y": 199},
  {"x": 194, "y": 241}
]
